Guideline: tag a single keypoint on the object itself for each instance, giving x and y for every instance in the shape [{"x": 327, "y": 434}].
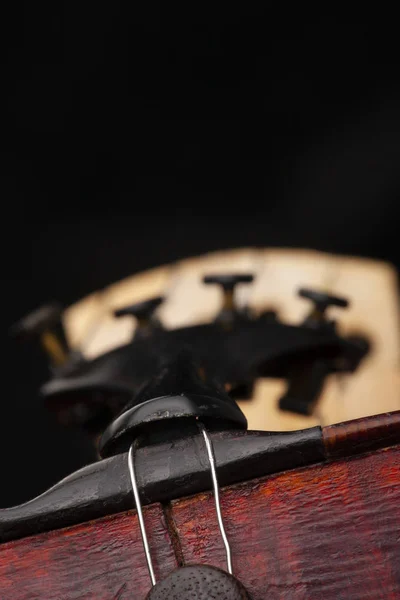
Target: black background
[{"x": 133, "y": 139}]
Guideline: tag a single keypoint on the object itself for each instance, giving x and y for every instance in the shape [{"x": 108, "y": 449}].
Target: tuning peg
[
  {"x": 229, "y": 280},
  {"x": 228, "y": 283},
  {"x": 46, "y": 324},
  {"x": 321, "y": 301},
  {"x": 143, "y": 313},
  {"x": 305, "y": 384}
]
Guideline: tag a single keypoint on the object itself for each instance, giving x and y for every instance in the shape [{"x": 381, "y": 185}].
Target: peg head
[
  {"x": 144, "y": 313},
  {"x": 321, "y": 301},
  {"x": 44, "y": 318},
  {"x": 140, "y": 310},
  {"x": 228, "y": 282},
  {"x": 45, "y": 323}
]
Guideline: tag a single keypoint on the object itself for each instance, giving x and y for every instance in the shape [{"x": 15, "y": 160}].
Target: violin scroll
[{"x": 239, "y": 346}]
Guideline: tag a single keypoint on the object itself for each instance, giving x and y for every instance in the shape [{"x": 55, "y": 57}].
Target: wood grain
[
  {"x": 99, "y": 560},
  {"x": 370, "y": 285},
  {"x": 361, "y": 435},
  {"x": 326, "y": 532}
]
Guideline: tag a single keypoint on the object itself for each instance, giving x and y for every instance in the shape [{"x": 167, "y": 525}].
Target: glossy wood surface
[
  {"x": 362, "y": 435},
  {"x": 323, "y": 533},
  {"x": 99, "y": 560},
  {"x": 330, "y": 531}
]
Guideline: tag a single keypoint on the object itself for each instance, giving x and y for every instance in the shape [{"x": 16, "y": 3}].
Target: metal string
[
  {"x": 132, "y": 472},
  {"x": 211, "y": 458}
]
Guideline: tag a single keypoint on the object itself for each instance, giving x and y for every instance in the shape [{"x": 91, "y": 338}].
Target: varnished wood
[
  {"x": 99, "y": 560},
  {"x": 324, "y": 532},
  {"x": 362, "y": 435},
  {"x": 370, "y": 285}
]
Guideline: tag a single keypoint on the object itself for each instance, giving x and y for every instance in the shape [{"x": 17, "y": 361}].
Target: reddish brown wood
[
  {"x": 326, "y": 532},
  {"x": 362, "y": 435},
  {"x": 100, "y": 560}
]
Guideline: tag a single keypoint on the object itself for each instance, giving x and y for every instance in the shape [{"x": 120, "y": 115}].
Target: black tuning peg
[
  {"x": 46, "y": 324},
  {"x": 228, "y": 283},
  {"x": 143, "y": 313},
  {"x": 305, "y": 385},
  {"x": 321, "y": 301}
]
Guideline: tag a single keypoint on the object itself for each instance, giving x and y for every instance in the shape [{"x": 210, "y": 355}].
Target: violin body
[
  {"x": 326, "y": 531},
  {"x": 309, "y": 501}
]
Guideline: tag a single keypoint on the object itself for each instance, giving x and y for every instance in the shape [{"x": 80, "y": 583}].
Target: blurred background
[{"x": 131, "y": 140}]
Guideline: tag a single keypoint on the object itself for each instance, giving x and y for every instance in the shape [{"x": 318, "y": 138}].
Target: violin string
[
  {"x": 132, "y": 472},
  {"x": 211, "y": 458}
]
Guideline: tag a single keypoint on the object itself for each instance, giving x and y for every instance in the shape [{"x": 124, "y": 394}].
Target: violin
[{"x": 244, "y": 407}]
